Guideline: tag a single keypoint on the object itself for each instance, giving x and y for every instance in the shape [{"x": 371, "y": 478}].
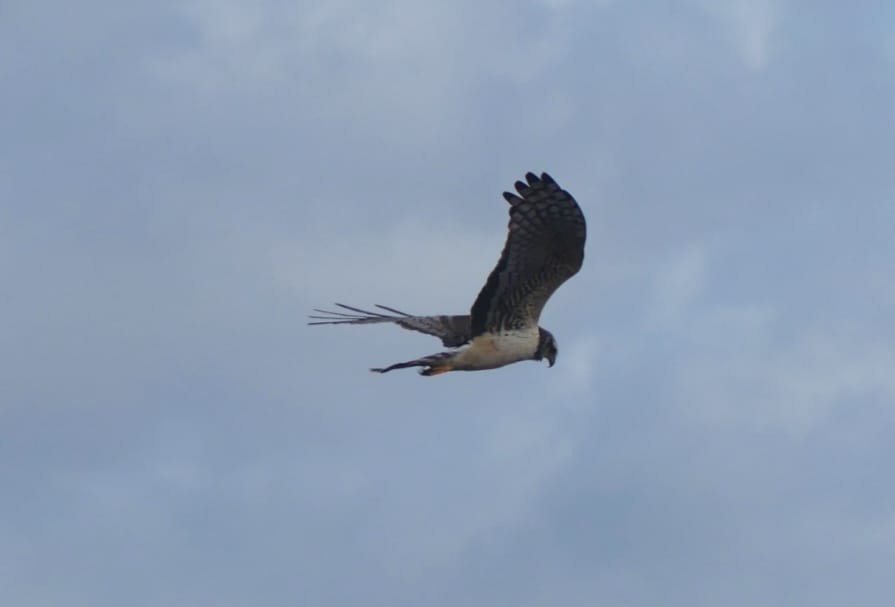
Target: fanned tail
[{"x": 434, "y": 363}]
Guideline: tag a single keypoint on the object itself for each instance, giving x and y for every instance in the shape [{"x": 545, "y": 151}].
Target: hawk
[{"x": 544, "y": 248}]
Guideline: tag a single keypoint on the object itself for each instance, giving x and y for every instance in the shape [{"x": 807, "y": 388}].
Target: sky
[{"x": 182, "y": 181}]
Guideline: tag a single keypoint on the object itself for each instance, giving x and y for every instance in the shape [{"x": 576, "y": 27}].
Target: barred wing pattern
[
  {"x": 452, "y": 330},
  {"x": 544, "y": 248}
]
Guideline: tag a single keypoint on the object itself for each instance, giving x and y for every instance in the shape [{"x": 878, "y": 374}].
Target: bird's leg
[{"x": 436, "y": 363}]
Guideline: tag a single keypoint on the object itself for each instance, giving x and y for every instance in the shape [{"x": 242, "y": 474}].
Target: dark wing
[
  {"x": 544, "y": 248},
  {"x": 453, "y": 331}
]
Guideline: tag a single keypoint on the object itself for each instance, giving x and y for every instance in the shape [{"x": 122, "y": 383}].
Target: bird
[{"x": 544, "y": 248}]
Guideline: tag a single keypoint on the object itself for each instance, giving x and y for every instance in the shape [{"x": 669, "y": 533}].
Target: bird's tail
[{"x": 434, "y": 363}]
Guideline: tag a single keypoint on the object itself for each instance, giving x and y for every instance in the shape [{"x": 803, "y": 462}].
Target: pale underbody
[{"x": 489, "y": 351}]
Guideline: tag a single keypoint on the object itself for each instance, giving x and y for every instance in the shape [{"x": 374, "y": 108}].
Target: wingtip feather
[
  {"x": 392, "y": 310},
  {"x": 511, "y": 198}
]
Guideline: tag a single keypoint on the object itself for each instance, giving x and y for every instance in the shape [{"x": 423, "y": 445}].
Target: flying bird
[{"x": 544, "y": 248}]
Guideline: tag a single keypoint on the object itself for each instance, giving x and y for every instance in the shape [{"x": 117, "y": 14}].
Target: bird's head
[{"x": 547, "y": 347}]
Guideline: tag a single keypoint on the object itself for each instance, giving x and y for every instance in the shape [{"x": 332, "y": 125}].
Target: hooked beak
[{"x": 551, "y": 360}]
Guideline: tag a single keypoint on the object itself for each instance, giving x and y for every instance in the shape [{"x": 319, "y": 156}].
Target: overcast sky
[{"x": 182, "y": 181}]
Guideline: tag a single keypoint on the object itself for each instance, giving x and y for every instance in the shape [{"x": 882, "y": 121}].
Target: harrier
[{"x": 544, "y": 248}]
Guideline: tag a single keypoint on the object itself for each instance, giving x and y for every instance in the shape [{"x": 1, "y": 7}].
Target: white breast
[{"x": 489, "y": 351}]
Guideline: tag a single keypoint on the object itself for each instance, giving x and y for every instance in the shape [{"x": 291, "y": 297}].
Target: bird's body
[
  {"x": 544, "y": 248},
  {"x": 493, "y": 350}
]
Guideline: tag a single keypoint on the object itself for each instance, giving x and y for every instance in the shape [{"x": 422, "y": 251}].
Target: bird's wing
[
  {"x": 453, "y": 331},
  {"x": 544, "y": 248}
]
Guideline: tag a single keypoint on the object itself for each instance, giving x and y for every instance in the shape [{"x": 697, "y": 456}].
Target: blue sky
[{"x": 182, "y": 181}]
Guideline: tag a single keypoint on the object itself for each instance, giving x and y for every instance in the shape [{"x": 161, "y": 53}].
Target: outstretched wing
[
  {"x": 544, "y": 248},
  {"x": 453, "y": 331}
]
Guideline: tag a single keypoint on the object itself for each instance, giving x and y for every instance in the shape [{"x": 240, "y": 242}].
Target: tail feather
[{"x": 434, "y": 363}]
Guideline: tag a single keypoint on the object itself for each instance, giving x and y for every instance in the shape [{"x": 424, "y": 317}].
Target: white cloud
[
  {"x": 751, "y": 24},
  {"x": 679, "y": 282},
  {"x": 514, "y": 458},
  {"x": 766, "y": 382},
  {"x": 733, "y": 363},
  {"x": 351, "y": 58},
  {"x": 574, "y": 370},
  {"x": 415, "y": 266}
]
